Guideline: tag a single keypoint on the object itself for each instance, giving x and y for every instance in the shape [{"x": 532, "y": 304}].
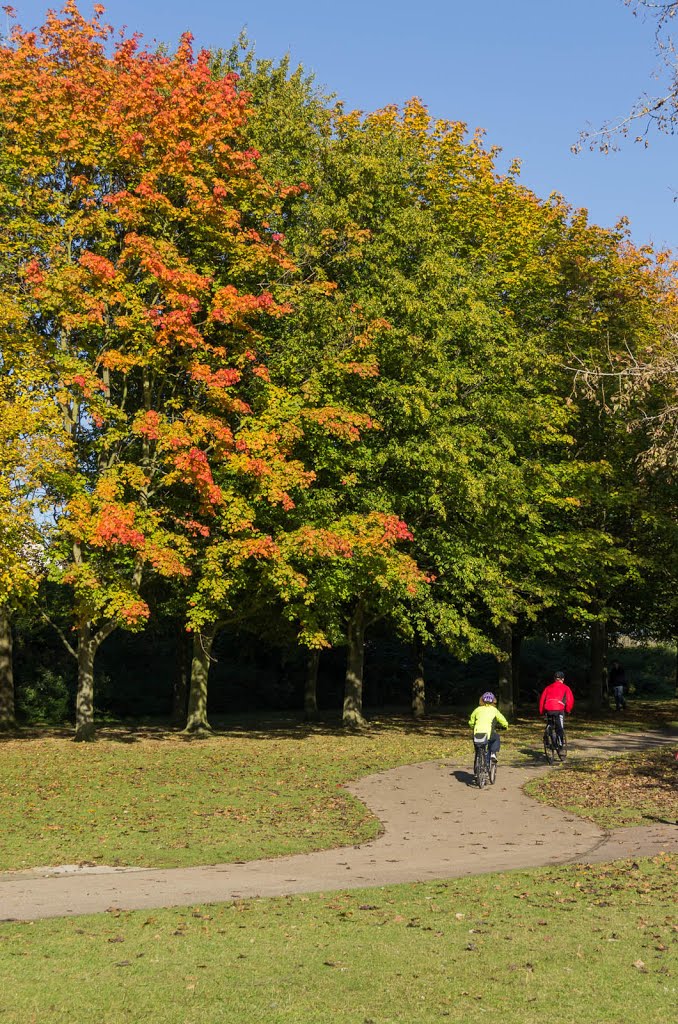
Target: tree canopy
[{"x": 271, "y": 364}]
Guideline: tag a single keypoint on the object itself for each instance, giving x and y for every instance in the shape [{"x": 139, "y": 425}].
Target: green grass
[
  {"x": 637, "y": 789},
  {"x": 149, "y": 797},
  {"x": 572, "y": 944},
  {"x": 152, "y": 798}
]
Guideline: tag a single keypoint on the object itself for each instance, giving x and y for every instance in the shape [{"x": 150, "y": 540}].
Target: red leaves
[
  {"x": 362, "y": 536},
  {"x": 231, "y": 307},
  {"x": 154, "y": 258},
  {"x": 115, "y": 526},
  {"x": 134, "y": 611},
  {"x": 34, "y": 273},
  {"x": 149, "y": 425},
  {"x": 195, "y": 528},
  {"x": 323, "y": 542},
  {"x": 86, "y": 382},
  {"x": 195, "y": 469},
  {"x": 340, "y": 421},
  {"x": 363, "y": 369},
  {"x": 98, "y": 266},
  {"x": 223, "y": 378},
  {"x": 395, "y": 530},
  {"x": 259, "y": 547}
]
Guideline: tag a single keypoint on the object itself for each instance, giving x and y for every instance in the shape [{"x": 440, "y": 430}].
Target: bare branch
[
  {"x": 71, "y": 650},
  {"x": 642, "y": 387},
  {"x": 660, "y": 112}
]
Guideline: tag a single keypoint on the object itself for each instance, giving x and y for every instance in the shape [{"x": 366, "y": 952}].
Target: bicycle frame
[
  {"x": 484, "y": 768},
  {"x": 552, "y": 742}
]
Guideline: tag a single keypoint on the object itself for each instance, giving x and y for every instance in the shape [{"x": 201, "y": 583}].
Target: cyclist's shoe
[{"x": 493, "y": 757}]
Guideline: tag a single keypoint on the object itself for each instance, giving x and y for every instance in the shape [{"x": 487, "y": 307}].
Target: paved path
[{"x": 436, "y": 825}]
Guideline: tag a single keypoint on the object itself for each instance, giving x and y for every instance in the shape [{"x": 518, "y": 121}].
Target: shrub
[{"x": 45, "y": 700}]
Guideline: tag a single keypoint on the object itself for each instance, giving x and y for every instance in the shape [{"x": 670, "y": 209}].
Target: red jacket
[{"x": 556, "y": 697}]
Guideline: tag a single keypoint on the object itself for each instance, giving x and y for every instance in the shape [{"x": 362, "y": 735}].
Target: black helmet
[{"x": 559, "y": 675}]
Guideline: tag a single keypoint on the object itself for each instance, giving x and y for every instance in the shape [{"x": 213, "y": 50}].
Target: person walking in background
[
  {"x": 617, "y": 682},
  {"x": 557, "y": 699}
]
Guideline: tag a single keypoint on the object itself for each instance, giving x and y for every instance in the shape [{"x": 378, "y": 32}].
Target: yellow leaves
[
  {"x": 416, "y": 118},
  {"x": 107, "y": 488}
]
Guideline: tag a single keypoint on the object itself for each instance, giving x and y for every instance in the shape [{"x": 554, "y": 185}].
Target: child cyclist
[{"x": 483, "y": 720}]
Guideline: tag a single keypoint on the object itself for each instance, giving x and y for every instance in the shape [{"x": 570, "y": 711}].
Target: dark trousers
[
  {"x": 494, "y": 743},
  {"x": 558, "y": 719}
]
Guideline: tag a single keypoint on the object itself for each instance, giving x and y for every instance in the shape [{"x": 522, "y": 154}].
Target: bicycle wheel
[
  {"x": 479, "y": 768},
  {"x": 562, "y": 749},
  {"x": 548, "y": 747},
  {"x": 493, "y": 772}
]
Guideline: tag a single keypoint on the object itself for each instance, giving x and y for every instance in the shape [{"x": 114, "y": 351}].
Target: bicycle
[
  {"x": 552, "y": 742},
  {"x": 484, "y": 768}
]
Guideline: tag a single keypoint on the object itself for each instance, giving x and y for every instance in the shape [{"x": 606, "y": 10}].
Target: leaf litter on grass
[{"x": 634, "y": 789}]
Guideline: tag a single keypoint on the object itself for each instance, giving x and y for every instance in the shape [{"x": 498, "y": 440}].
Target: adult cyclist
[
  {"x": 557, "y": 700},
  {"x": 483, "y": 720}
]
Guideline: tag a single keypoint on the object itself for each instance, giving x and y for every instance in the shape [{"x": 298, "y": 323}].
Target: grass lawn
[
  {"x": 153, "y": 798},
  {"x": 149, "y": 797},
  {"x": 637, "y": 789},
  {"x": 572, "y": 944}
]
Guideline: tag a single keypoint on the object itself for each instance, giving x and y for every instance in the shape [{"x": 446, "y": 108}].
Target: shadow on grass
[
  {"x": 660, "y": 821},
  {"x": 443, "y": 723},
  {"x": 534, "y": 753},
  {"x": 255, "y": 726}
]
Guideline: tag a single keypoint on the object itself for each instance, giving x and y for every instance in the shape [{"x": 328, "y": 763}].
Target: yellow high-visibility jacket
[{"x": 483, "y": 718}]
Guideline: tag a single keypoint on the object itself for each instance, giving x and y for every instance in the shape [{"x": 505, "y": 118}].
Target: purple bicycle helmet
[{"x": 488, "y": 698}]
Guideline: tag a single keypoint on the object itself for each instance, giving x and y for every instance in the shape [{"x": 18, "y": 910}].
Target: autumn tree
[{"x": 146, "y": 259}]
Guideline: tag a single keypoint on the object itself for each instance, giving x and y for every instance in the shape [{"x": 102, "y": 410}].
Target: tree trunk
[
  {"x": 353, "y": 688},
  {"x": 597, "y": 665},
  {"x": 311, "y": 687},
  {"x": 516, "y": 645},
  {"x": 7, "y": 720},
  {"x": 418, "y": 681},
  {"x": 196, "y": 720},
  {"x": 84, "y": 701},
  {"x": 505, "y": 683},
  {"x": 180, "y": 682}
]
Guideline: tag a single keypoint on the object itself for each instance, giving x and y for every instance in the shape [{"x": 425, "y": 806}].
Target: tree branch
[
  {"x": 105, "y": 632},
  {"x": 71, "y": 650}
]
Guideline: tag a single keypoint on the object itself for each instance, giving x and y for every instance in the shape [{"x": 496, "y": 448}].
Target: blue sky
[{"x": 532, "y": 73}]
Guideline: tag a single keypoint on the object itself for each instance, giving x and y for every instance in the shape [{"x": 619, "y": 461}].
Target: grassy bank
[{"x": 573, "y": 943}]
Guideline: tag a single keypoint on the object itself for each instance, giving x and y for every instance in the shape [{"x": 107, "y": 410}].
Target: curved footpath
[{"x": 436, "y": 824}]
